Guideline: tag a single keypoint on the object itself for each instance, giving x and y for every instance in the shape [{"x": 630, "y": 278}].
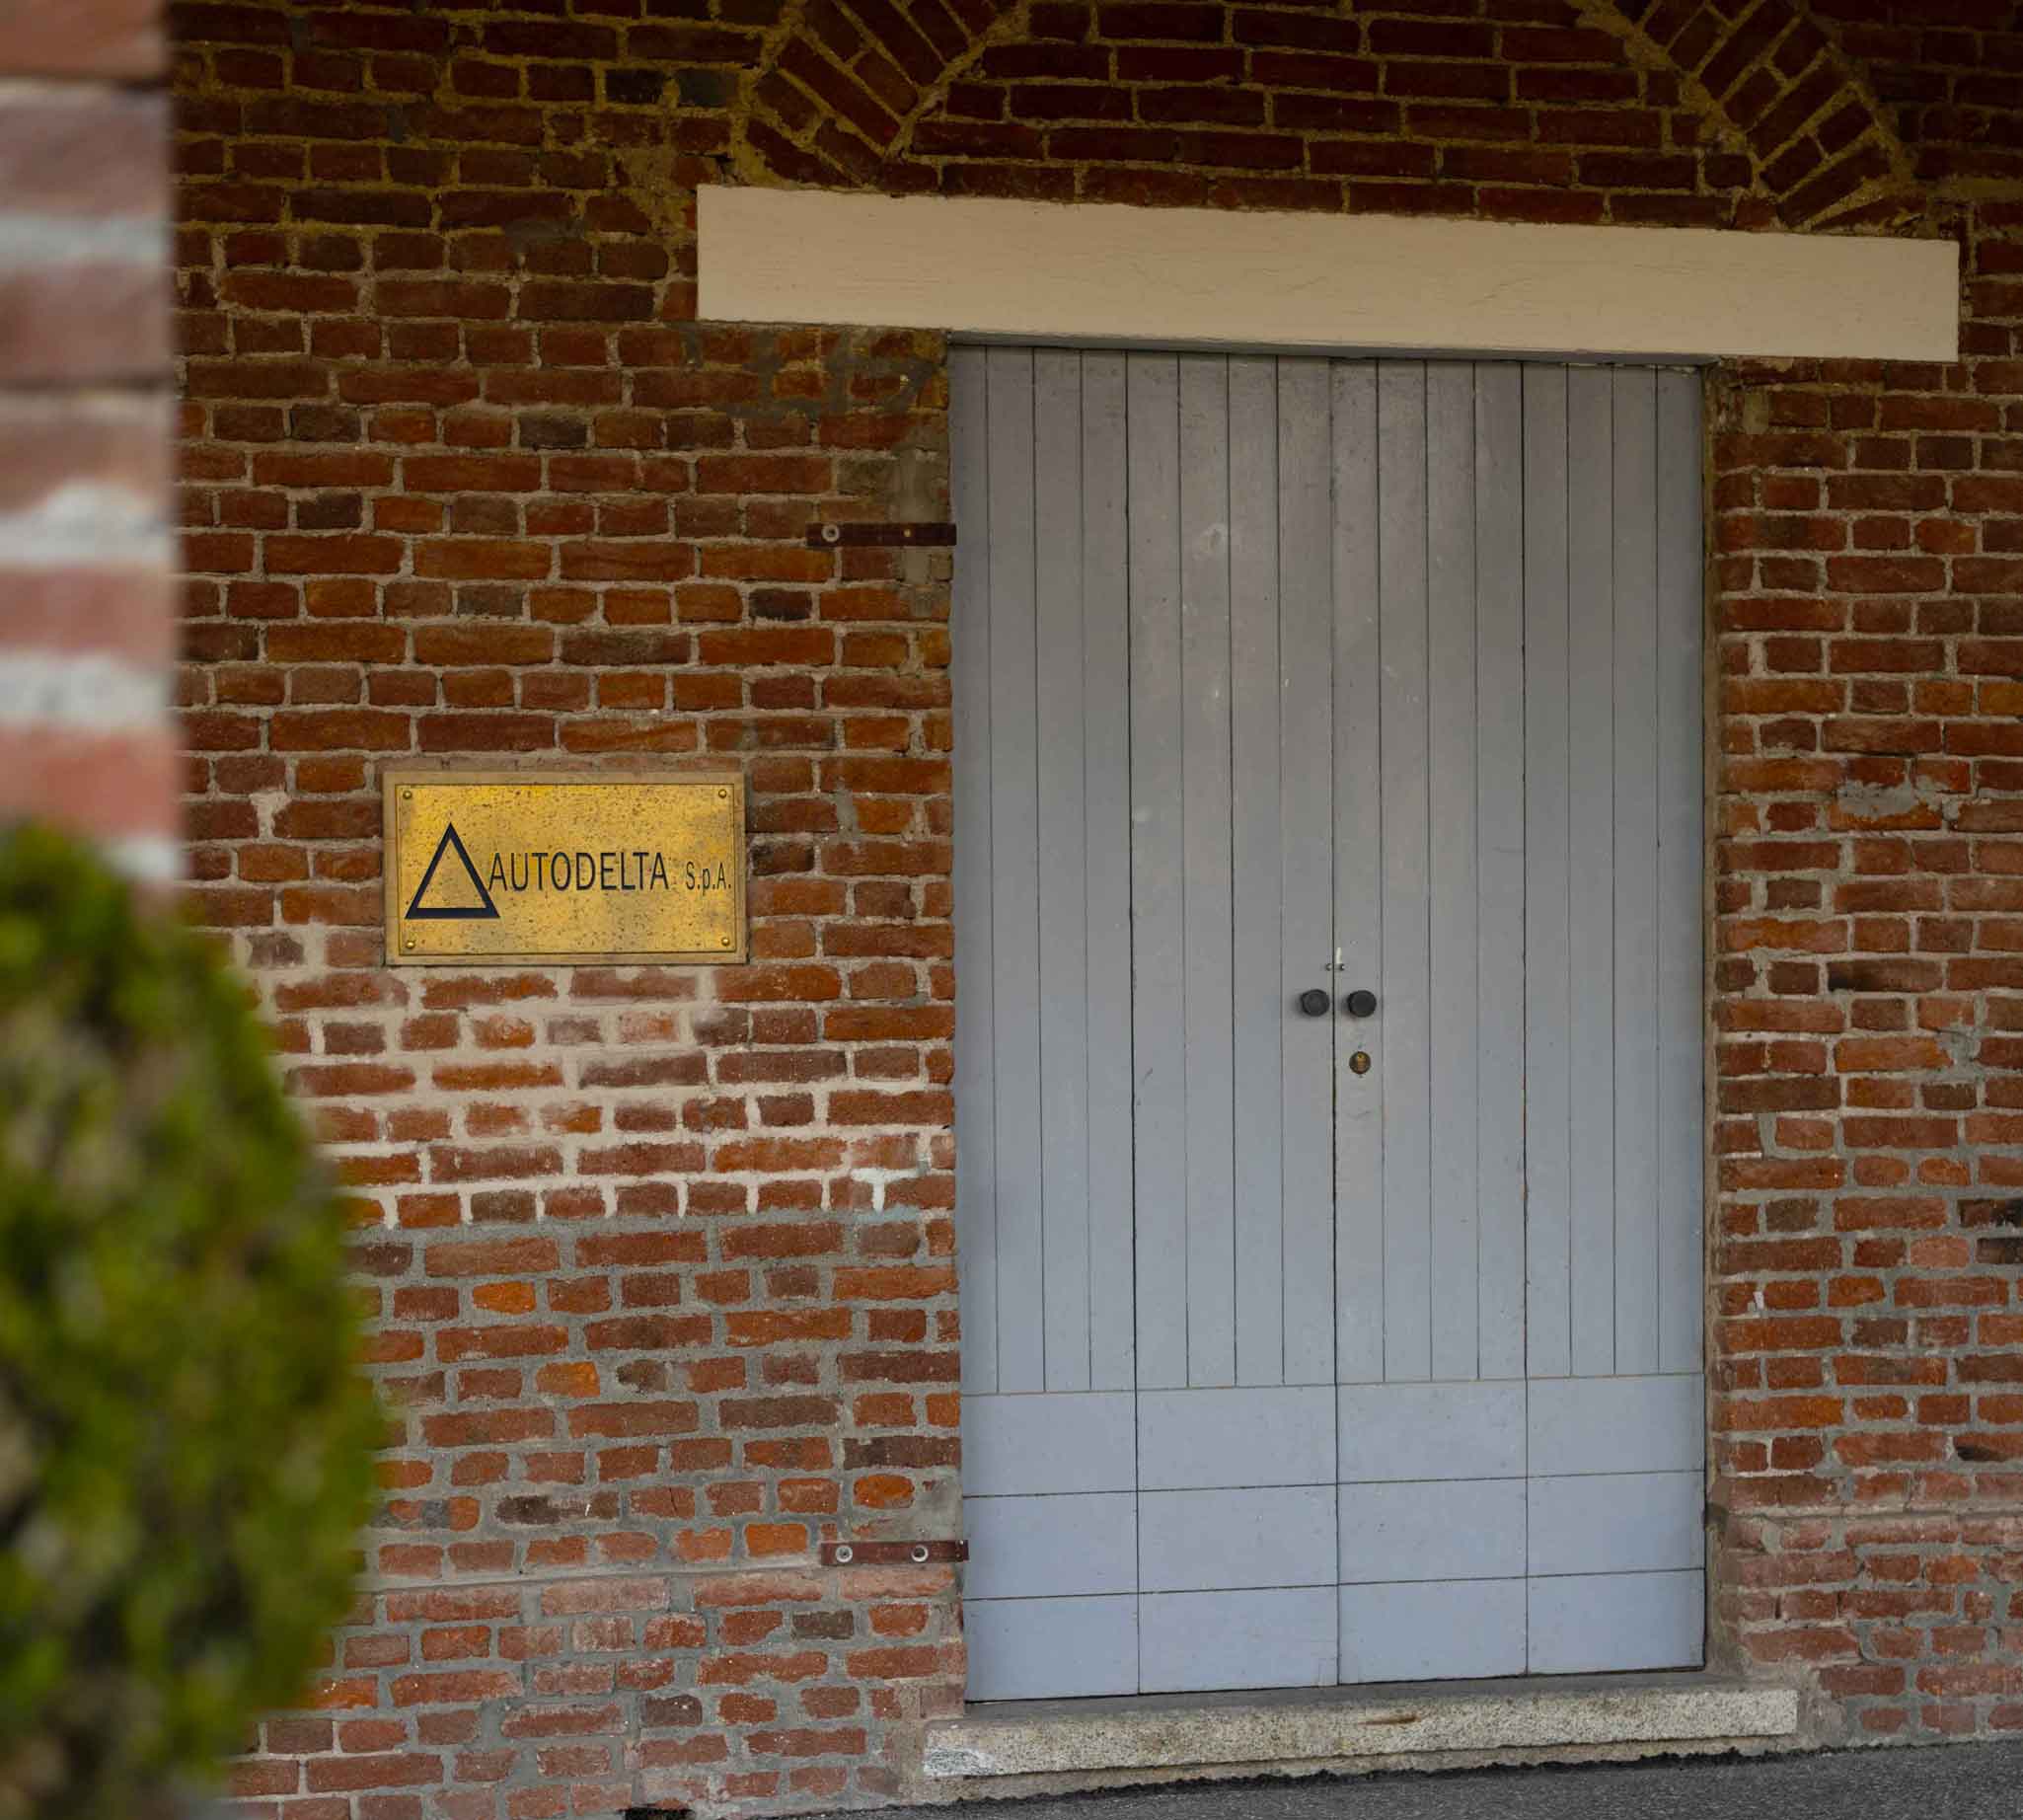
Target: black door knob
[
  {"x": 1314, "y": 1002},
  {"x": 1360, "y": 1004}
]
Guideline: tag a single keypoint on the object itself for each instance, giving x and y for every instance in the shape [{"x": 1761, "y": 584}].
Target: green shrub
[{"x": 183, "y": 1441}]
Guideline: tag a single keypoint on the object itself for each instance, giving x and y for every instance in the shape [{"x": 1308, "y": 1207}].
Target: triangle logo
[{"x": 417, "y": 911}]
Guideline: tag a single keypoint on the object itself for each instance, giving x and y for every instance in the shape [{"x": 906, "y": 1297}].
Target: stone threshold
[{"x": 1619, "y": 1715}]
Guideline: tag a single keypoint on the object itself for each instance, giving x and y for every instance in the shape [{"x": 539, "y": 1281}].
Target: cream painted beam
[{"x": 1094, "y": 272}]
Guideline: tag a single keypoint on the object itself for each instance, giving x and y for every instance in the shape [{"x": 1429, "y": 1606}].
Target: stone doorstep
[{"x": 1311, "y": 1726}]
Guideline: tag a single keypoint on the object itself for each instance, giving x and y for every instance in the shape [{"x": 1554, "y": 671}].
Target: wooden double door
[{"x": 1328, "y": 1052}]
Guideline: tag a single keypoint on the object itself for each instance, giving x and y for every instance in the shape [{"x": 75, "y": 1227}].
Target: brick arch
[
  {"x": 1825, "y": 149},
  {"x": 841, "y": 96},
  {"x": 841, "y": 86}
]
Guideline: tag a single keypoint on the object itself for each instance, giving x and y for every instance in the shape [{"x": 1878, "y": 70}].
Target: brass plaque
[{"x": 564, "y": 865}]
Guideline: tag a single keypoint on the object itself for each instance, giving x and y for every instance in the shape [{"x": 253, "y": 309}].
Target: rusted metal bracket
[
  {"x": 888, "y": 534},
  {"x": 891, "y": 1553}
]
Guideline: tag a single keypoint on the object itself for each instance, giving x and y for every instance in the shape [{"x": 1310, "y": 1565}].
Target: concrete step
[{"x": 1315, "y": 1726}]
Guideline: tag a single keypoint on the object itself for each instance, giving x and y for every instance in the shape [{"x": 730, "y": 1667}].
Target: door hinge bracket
[
  {"x": 892, "y": 1554},
  {"x": 889, "y": 533}
]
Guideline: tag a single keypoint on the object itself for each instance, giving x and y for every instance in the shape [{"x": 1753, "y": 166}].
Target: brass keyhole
[{"x": 1359, "y": 1063}]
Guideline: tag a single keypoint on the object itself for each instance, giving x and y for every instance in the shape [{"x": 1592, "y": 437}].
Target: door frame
[{"x": 1087, "y": 274}]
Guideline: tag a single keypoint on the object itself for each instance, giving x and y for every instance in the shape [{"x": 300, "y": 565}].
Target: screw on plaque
[
  {"x": 1359, "y": 1063},
  {"x": 832, "y": 533}
]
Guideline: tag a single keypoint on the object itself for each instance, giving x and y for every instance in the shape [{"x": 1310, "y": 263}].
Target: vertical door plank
[
  {"x": 1358, "y": 842},
  {"x": 1547, "y": 963},
  {"x": 1159, "y": 1133},
  {"x": 1061, "y": 880},
  {"x": 1256, "y": 860},
  {"x": 1106, "y": 864},
  {"x": 976, "y": 1236},
  {"x": 1500, "y": 865},
  {"x": 1451, "y": 884},
  {"x": 1402, "y": 995},
  {"x": 1590, "y": 844},
  {"x": 1205, "y": 984},
  {"x": 1679, "y": 794},
  {"x": 1636, "y": 876},
  {"x": 1014, "y": 866},
  {"x": 1305, "y": 614}
]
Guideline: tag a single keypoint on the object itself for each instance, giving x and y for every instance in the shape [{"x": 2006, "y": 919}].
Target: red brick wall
[
  {"x": 87, "y": 634},
  {"x": 662, "y": 1259},
  {"x": 1869, "y": 970},
  {"x": 1528, "y": 118}
]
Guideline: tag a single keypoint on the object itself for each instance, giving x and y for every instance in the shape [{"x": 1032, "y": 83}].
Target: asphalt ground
[{"x": 1954, "y": 1782}]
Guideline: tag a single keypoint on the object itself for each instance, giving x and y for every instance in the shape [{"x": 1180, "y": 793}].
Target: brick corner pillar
[{"x": 87, "y": 613}]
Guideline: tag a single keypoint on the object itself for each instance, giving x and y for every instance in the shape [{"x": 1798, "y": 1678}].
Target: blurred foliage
[{"x": 185, "y": 1442}]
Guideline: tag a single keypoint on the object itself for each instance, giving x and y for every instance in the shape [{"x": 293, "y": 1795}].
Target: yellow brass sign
[{"x": 563, "y": 866}]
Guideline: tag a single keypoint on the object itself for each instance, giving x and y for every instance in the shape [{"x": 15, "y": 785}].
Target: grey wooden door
[{"x": 1299, "y": 1347}]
